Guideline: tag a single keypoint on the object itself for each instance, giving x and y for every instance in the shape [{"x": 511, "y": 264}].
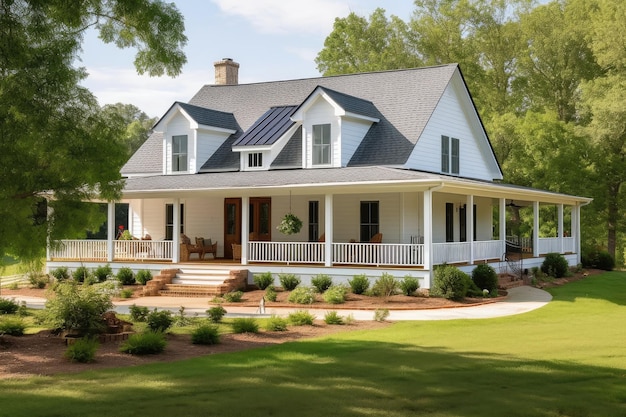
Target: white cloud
[
  {"x": 280, "y": 16},
  {"x": 153, "y": 95}
]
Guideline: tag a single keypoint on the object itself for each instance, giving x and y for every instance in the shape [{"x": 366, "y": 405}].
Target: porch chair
[
  {"x": 377, "y": 238},
  {"x": 236, "y": 251},
  {"x": 207, "y": 246},
  {"x": 187, "y": 248}
]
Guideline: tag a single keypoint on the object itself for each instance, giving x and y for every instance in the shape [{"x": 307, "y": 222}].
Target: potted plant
[{"x": 290, "y": 224}]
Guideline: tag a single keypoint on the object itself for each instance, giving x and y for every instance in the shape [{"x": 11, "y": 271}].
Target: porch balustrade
[
  {"x": 124, "y": 250},
  {"x": 75, "y": 249},
  {"x": 451, "y": 252},
  {"x": 289, "y": 252},
  {"x": 396, "y": 254},
  {"x": 553, "y": 244}
]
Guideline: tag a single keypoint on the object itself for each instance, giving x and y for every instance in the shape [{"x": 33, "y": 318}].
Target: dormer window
[
  {"x": 179, "y": 153},
  {"x": 321, "y": 144},
  {"x": 255, "y": 160}
]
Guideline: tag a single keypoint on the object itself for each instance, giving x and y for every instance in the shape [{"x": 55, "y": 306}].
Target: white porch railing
[
  {"x": 131, "y": 250},
  {"x": 525, "y": 242},
  {"x": 396, "y": 254},
  {"x": 489, "y": 249},
  {"x": 93, "y": 250},
  {"x": 289, "y": 252},
  {"x": 124, "y": 250},
  {"x": 553, "y": 244},
  {"x": 451, "y": 252}
]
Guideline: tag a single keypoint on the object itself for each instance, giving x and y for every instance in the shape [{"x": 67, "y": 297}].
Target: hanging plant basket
[{"x": 290, "y": 224}]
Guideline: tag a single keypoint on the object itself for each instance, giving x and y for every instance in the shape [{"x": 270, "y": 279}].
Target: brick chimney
[{"x": 226, "y": 72}]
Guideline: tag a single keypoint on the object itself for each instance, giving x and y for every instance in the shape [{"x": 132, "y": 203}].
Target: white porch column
[
  {"x": 328, "y": 230},
  {"x": 576, "y": 232},
  {"x": 245, "y": 229},
  {"x": 428, "y": 238},
  {"x": 535, "y": 229},
  {"x": 469, "y": 221},
  {"x": 560, "y": 229},
  {"x": 110, "y": 231},
  {"x": 502, "y": 225},
  {"x": 176, "y": 231}
]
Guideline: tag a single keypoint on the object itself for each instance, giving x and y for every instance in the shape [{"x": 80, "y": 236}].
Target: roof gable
[
  {"x": 344, "y": 105},
  {"x": 199, "y": 117}
]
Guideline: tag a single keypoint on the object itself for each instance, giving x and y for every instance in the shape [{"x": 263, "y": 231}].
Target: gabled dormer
[
  {"x": 259, "y": 146},
  {"x": 333, "y": 126},
  {"x": 191, "y": 134}
]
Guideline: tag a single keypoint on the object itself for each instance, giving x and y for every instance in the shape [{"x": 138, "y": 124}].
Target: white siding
[
  {"x": 352, "y": 133},
  {"x": 484, "y": 220},
  {"x": 299, "y": 207},
  {"x": 321, "y": 112},
  {"x": 179, "y": 125},
  {"x": 347, "y": 219},
  {"x": 453, "y": 118},
  {"x": 208, "y": 143}
]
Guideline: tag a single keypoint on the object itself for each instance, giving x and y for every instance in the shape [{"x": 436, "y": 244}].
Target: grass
[{"x": 565, "y": 359}]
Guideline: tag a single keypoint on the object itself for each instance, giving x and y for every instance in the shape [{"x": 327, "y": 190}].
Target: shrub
[
  {"x": 103, "y": 272},
  {"x": 143, "y": 276},
  {"x": 245, "y": 325},
  {"x": 605, "y": 261},
  {"x": 60, "y": 274},
  {"x": 205, "y": 334},
  {"x": 12, "y": 326},
  {"x": 270, "y": 293},
  {"x": 216, "y": 313},
  {"x": 409, "y": 285},
  {"x": 322, "y": 282},
  {"x": 449, "y": 282},
  {"x": 38, "y": 279},
  {"x": 181, "y": 318},
  {"x": 8, "y": 306},
  {"x": 83, "y": 350},
  {"x": 276, "y": 324},
  {"x": 485, "y": 277},
  {"x": 301, "y": 318},
  {"x": 233, "y": 296},
  {"x": 80, "y": 274},
  {"x": 555, "y": 265},
  {"x": 289, "y": 281},
  {"x": 144, "y": 343},
  {"x": 77, "y": 308},
  {"x": 349, "y": 319},
  {"x": 160, "y": 321},
  {"x": 263, "y": 280},
  {"x": 385, "y": 286},
  {"x": 332, "y": 317},
  {"x": 336, "y": 294},
  {"x": 125, "y": 276},
  {"x": 302, "y": 295},
  {"x": 139, "y": 314},
  {"x": 381, "y": 314},
  {"x": 359, "y": 284},
  {"x": 126, "y": 293},
  {"x": 472, "y": 289}
]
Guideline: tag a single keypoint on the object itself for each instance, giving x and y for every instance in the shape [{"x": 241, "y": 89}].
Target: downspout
[{"x": 428, "y": 233}]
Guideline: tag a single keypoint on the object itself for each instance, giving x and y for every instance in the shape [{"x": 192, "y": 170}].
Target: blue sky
[{"x": 271, "y": 40}]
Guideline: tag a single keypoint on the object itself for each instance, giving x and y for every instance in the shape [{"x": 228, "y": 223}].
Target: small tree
[
  {"x": 450, "y": 282},
  {"x": 77, "y": 308}
]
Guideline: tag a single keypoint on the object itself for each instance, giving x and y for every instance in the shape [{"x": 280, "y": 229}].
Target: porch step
[
  {"x": 507, "y": 281},
  {"x": 204, "y": 282}
]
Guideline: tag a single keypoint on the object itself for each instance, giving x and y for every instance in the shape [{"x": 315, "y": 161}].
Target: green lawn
[{"x": 565, "y": 359}]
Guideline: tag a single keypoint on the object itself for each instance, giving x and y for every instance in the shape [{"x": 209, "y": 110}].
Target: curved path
[{"x": 520, "y": 300}]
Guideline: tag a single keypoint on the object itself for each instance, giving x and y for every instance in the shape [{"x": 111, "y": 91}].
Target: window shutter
[
  {"x": 455, "y": 155},
  {"x": 445, "y": 154}
]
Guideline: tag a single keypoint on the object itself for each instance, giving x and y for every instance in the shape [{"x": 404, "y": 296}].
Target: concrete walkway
[{"x": 520, "y": 300}]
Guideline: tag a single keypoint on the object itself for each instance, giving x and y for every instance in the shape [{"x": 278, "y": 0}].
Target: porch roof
[{"x": 381, "y": 179}]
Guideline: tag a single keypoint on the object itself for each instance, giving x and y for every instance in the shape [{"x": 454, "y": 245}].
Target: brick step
[{"x": 175, "y": 290}]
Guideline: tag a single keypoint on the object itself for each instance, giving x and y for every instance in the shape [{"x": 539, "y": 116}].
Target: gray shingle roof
[
  {"x": 291, "y": 155},
  {"x": 148, "y": 158},
  {"x": 405, "y": 99},
  {"x": 268, "y": 128},
  {"x": 210, "y": 117},
  {"x": 353, "y": 104}
]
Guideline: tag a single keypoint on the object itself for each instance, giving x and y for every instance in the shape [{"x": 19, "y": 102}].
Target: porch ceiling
[{"x": 351, "y": 180}]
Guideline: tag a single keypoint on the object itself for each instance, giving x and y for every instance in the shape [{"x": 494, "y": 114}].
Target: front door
[
  {"x": 232, "y": 225},
  {"x": 260, "y": 219}
]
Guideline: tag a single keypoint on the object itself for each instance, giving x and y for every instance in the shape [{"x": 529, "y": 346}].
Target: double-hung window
[
  {"x": 450, "y": 155},
  {"x": 179, "y": 153},
  {"x": 321, "y": 144},
  {"x": 369, "y": 220}
]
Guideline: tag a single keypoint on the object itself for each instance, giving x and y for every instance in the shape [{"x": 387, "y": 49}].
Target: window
[
  {"x": 179, "y": 153},
  {"x": 369, "y": 220},
  {"x": 255, "y": 159},
  {"x": 450, "y": 151},
  {"x": 169, "y": 221},
  {"x": 321, "y": 144},
  {"x": 449, "y": 222},
  {"x": 314, "y": 225}
]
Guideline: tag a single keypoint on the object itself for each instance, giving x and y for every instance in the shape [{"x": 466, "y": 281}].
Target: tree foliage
[
  {"x": 57, "y": 148},
  {"x": 549, "y": 81}
]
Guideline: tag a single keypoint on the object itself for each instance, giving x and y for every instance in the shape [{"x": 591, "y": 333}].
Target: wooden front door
[
  {"x": 232, "y": 225},
  {"x": 260, "y": 220}
]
